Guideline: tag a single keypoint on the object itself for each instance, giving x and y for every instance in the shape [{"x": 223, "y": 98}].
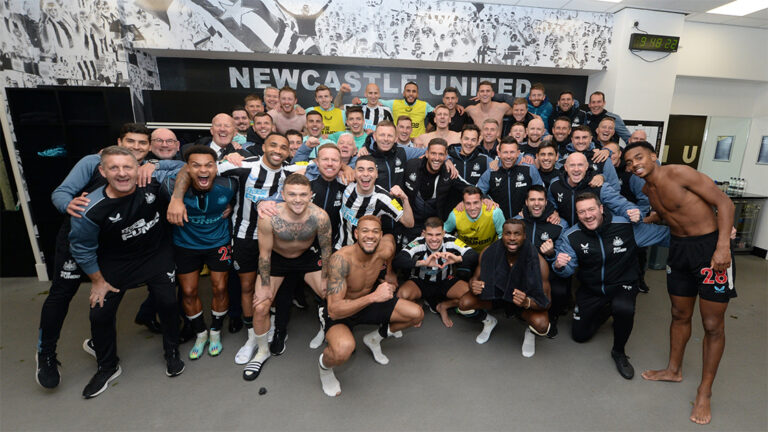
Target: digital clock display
[{"x": 650, "y": 42}]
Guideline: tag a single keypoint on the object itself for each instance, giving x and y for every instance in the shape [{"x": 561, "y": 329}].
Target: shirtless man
[
  {"x": 487, "y": 108},
  {"x": 358, "y": 294},
  {"x": 443, "y": 121},
  {"x": 699, "y": 262},
  {"x": 285, "y": 248}
]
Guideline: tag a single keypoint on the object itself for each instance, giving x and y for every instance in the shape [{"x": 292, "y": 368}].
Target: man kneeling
[
  {"x": 513, "y": 276},
  {"x": 354, "y": 298}
]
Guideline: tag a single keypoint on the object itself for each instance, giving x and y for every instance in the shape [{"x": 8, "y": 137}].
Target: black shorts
[
  {"x": 435, "y": 292},
  {"x": 307, "y": 262},
  {"x": 509, "y": 308},
  {"x": 245, "y": 254},
  {"x": 376, "y": 313},
  {"x": 218, "y": 259},
  {"x": 689, "y": 270}
]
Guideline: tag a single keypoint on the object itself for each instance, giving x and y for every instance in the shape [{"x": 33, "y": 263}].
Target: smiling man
[
  {"x": 511, "y": 276},
  {"x": 601, "y": 250},
  {"x": 163, "y": 144},
  {"x": 361, "y": 290},
  {"x": 700, "y": 262},
  {"x": 285, "y": 117},
  {"x": 431, "y": 190},
  {"x": 203, "y": 240},
  {"x": 442, "y": 117}
]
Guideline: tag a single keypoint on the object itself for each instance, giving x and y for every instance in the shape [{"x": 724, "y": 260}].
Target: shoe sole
[
  {"x": 88, "y": 349},
  {"x": 37, "y": 370},
  {"x": 171, "y": 375},
  {"x": 106, "y": 384}
]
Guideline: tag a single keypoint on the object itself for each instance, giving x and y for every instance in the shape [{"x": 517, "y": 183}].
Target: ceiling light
[
  {"x": 740, "y": 7},
  {"x": 610, "y": 1}
]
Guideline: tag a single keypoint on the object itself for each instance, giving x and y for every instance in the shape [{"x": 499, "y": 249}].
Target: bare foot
[
  {"x": 701, "y": 412},
  {"x": 662, "y": 375},
  {"x": 443, "y": 311}
]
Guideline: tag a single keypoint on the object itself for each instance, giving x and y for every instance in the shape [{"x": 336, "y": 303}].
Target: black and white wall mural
[{"x": 455, "y": 31}]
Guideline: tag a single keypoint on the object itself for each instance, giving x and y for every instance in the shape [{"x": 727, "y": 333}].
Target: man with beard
[
  {"x": 284, "y": 116},
  {"x": 286, "y": 247},
  {"x": 535, "y": 131},
  {"x": 509, "y": 184},
  {"x": 458, "y": 119},
  {"x": 469, "y": 161},
  {"x": 262, "y": 127},
  {"x": 242, "y": 125},
  {"x": 410, "y": 106},
  {"x": 439, "y": 265},
  {"x": 512, "y": 276},
  {"x": 477, "y": 225},
  {"x": 543, "y": 234},
  {"x": 360, "y": 290},
  {"x": 568, "y": 107},
  {"x": 203, "y": 240}
]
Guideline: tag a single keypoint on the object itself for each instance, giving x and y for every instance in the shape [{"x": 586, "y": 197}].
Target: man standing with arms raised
[{"x": 699, "y": 262}]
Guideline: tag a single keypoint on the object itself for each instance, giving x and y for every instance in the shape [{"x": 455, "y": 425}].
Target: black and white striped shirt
[
  {"x": 372, "y": 116},
  {"x": 354, "y": 206},
  {"x": 418, "y": 250},
  {"x": 257, "y": 182}
]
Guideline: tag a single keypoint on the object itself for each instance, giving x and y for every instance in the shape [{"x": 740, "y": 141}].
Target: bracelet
[{"x": 529, "y": 303}]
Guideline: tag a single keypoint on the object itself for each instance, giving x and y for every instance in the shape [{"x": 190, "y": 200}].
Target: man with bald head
[
  {"x": 222, "y": 134},
  {"x": 638, "y": 135},
  {"x": 575, "y": 180},
  {"x": 535, "y": 131},
  {"x": 373, "y": 113},
  {"x": 581, "y": 142},
  {"x": 163, "y": 145}
]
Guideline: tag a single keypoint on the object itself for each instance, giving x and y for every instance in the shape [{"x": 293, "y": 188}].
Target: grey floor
[{"x": 438, "y": 378}]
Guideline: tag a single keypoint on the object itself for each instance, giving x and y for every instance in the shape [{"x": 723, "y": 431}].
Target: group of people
[{"x": 377, "y": 205}]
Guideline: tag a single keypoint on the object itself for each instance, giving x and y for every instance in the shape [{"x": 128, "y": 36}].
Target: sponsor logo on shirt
[
  {"x": 140, "y": 227},
  {"x": 617, "y": 243},
  {"x": 396, "y": 205},
  {"x": 256, "y": 195}
]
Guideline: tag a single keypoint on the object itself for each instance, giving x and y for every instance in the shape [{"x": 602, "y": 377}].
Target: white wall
[
  {"x": 721, "y": 51},
  {"x": 757, "y": 175},
  {"x": 715, "y": 97}
]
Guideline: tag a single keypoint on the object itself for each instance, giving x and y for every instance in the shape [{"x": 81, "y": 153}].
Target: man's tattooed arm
[
  {"x": 338, "y": 270},
  {"x": 264, "y": 269},
  {"x": 181, "y": 185},
  {"x": 324, "y": 238}
]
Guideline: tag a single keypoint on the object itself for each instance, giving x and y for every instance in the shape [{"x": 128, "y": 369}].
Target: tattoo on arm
[
  {"x": 324, "y": 238},
  {"x": 338, "y": 269},
  {"x": 182, "y": 183},
  {"x": 264, "y": 270}
]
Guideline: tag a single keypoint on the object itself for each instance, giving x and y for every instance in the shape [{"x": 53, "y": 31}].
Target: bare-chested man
[
  {"x": 285, "y": 248},
  {"x": 361, "y": 287},
  {"x": 486, "y": 108},
  {"x": 443, "y": 121},
  {"x": 699, "y": 261}
]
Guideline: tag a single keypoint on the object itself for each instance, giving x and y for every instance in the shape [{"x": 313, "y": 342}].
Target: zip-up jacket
[
  {"x": 470, "y": 167},
  {"x": 577, "y": 116},
  {"x": 508, "y": 187},
  {"x": 605, "y": 260},
  {"x": 538, "y": 230},
  {"x": 563, "y": 196},
  {"x": 327, "y": 195},
  {"x": 431, "y": 194},
  {"x": 605, "y": 167},
  {"x": 593, "y": 120}
]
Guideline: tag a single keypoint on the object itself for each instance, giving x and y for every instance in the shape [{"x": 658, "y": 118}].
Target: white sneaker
[
  {"x": 318, "y": 339},
  {"x": 489, "y": 323},
  {"x": 245, "y": 353},
  {"x": 529, "y": 343},
  {"x": 331, "y": 385}
]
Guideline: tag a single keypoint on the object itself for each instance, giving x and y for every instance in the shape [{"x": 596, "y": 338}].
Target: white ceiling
[{"x": 695, "y": 10}]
